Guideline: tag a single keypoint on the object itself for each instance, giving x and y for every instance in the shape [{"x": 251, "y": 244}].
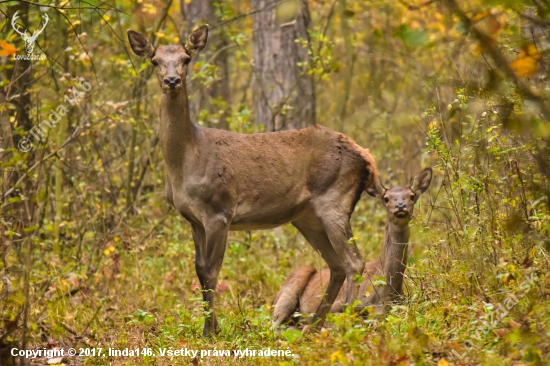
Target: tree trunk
[
  {"x": 284, "y": 96},
  {"x": 22, "y": 81},
  {"x": 215, "y": 97},
  {"x": 60, "y": 135},
  {"x": 348, "y": 74}
]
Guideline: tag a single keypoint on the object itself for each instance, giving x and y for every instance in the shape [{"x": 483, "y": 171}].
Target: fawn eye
[
  {"x": 154, "y": 63},
  {"x": 413, "y": 197},
  {"x": 187, "y": 61},
  {"x": 386, "y": 199}
]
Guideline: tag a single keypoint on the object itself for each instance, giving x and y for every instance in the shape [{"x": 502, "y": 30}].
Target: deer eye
[
  {"x": 154, "y": 63},
  {"x": 187, "y": 61},
  {"x": 413, "y": 197},
  {"x": 386, "y": 199}
]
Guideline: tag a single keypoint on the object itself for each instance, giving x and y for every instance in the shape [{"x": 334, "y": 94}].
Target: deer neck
[
  {"x": 177, "y": 133},
  {"x": 394, "y": 254}
]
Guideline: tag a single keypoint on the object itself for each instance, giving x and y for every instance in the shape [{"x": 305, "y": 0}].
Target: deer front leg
[
  {"x": 337, "y": 278},
  {"x": 210, "y": 243}
]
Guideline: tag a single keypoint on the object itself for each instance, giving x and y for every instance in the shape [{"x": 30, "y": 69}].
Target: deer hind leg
[
  {"x": 313, "y": 231},
  {"x": 338, "y": 230},
  {"x": 210, "y": 243}
]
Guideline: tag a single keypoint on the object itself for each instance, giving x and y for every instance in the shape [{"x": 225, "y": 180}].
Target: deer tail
[
  {"x": 371, "y": 168},
  {"x": 370, "y": 173}
]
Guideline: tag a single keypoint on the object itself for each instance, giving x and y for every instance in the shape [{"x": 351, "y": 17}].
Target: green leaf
[
  {"x": 291, "y": 335},
  {"x": 413, "y": 37}
]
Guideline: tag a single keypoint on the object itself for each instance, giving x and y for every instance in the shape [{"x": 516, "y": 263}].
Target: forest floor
[
  {"x": 93, "y": 259},
  {"x": 143, "y": 296}
]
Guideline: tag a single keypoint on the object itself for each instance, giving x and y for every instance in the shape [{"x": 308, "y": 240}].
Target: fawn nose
[
  {"x": 400, "y": 206},
  {"x": 172, "y": 81}
]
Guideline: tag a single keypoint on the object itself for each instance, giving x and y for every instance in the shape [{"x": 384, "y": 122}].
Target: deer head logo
[{"x": 29, "y": 40}]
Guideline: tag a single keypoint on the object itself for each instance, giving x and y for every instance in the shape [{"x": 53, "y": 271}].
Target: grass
[
  {"x": 147, "y": 296},
  {"x": 476, "y": 288}
]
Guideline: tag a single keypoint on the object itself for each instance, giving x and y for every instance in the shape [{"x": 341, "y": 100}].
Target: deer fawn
[
  {"x": 302, "y": 289},
  {"x": 220, "y": 180}
]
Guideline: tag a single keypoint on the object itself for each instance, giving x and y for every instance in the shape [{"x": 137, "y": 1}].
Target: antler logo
[{"x": 29, "y": 40}]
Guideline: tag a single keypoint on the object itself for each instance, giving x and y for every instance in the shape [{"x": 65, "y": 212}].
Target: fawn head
[
  {"x": 399, "y": 201},
  {"x": 170, "y": 62}
]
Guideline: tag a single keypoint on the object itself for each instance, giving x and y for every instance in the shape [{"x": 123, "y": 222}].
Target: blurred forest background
[{"x": 91, "y": 254}]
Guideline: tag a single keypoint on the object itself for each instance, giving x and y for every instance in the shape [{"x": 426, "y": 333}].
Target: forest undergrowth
[{"x": 93, "y": 256}]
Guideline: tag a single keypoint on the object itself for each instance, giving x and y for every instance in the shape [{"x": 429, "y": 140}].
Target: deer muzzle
[
  {"x": 401, "y": 210},
  {"x": 172, "y": 82}
]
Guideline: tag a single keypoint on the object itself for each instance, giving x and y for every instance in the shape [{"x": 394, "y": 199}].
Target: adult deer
[
  {"x": 302, "y": 289},
  {"x": 220, "y": 180}
]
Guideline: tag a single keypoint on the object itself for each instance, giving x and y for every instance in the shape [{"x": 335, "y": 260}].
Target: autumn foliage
[{"x": 91, "y": 254}]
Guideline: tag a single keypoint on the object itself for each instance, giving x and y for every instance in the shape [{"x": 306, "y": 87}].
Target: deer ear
[
  {"x": 140, "y": 44},
  {"x": 197, "y": 40},
  {"x": 422, "y": 181},
  {"x": 376, "y": 190}
]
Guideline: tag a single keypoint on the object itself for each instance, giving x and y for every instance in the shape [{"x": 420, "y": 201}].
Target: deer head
[
  {"x": 170, "y": 61},
  {"x": 29, "y": 41},
  {"x": 399, "y": 201}
]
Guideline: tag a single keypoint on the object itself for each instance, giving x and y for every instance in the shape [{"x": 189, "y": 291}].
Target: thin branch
[
  {"x": 240, "y": 16},
  {"x": 416, "y": 7},
  {"x": 63, "y": 7},
  {"x": 529, "y": 91}
]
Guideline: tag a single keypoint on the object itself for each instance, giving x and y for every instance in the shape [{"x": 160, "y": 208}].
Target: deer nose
[
  {"x": 172, "y": 81},
  {"x": 400, "y": 206}
]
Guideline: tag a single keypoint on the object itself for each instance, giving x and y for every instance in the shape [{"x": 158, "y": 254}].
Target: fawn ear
[
  {"x": 422, "y": 181},
  {"x": 140, "y": 44},
  {"x": 197, "y": 40},
  {"x": 376, "y": 190}
]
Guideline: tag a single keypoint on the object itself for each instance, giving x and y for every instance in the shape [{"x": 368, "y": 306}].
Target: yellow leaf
[
  {"x": 149, "y": 8},
  {"x": 7, "y": 49},
  {"x": 508, "y": 278},
  {"x": 442, "y": 362},
  {"x": 526, "y": 65},
  {"x": 337, "y": 355},
  {"x": 530, "y": 50}
]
